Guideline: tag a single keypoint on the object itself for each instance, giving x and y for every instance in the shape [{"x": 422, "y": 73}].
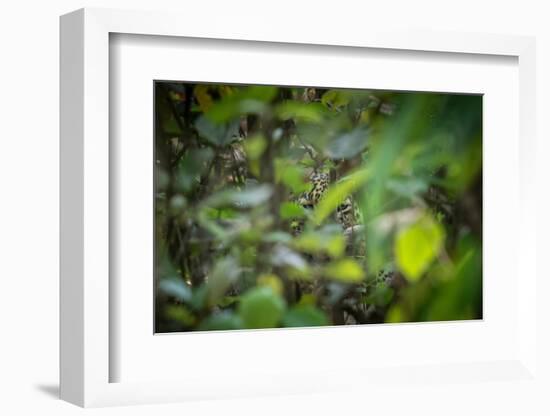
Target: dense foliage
[{"x": 236, "y": 245}]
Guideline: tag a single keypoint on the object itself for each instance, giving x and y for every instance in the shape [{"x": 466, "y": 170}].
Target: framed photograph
[{"x": 285, "y": 213}]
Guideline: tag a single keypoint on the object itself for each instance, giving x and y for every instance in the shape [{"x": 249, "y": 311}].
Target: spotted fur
[{"x": 346, "y": 212}]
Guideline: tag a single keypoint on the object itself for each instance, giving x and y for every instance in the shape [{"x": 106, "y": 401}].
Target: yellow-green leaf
[
  {"x": 290, "y": 175},
  {"x": 311, "y": 112},
  {"x": 395, "y": 314},
  {"x": 336, "y": 98},
  {"x": 417, "y": 245},
  {"x": 290, "y": 210},
  {"x": 255, "y": 146},
  {"x": 273, "y": 281},
  {"x": 309, "y": 242},
  {"x": 345, "y": 270},
  {"x": 261, "y": 307},
  {"x": 336, "y": 245}
]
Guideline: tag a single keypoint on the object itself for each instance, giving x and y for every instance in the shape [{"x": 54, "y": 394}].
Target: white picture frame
[{"x": 85, "y": 352}]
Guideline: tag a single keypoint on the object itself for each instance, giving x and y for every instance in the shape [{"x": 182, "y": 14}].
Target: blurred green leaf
[
  {"x": 336, "y": 98},
  {"x": 395, "y": 314},
  {"x": 180, "y": 313},
  {"x": 273, "y": 281},
  {"x": 261, "y": 307},
  {"x": 255, "y": 146},
  {"x": 249, "y": 197},
  {"x": 407, "y": 187},
  {"x": 222, "y": 213},
  {"x": 191, "y": 166},
  {"x": 246, "y": 101},
  {"x": 417, "y": 245},
  {"x": 223, "y": 321},
  {"x": 316, "y": 242},
  {"x": 224, "y": 274},
  {"x": 176, "y": 288},
  {"x": 310, "y": 242},
  {"x": 217, "y": 134},
  {"x": 304, "y": 315},
  {"x": 335, "y": 245},
  {"x": 291, "y": 175},
  {"x": 285, "y": 257},
  {"x": 348, "y": 145},
  {"x": 345, "y": 270},
  {"x": 459, "y": 297},
  {"x": 277, "y": 237},
  {"x": 307, "y": 112},
  {"x": 290, "y": 210}
]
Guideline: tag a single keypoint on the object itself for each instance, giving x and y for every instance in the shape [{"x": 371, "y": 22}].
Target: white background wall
[{"x": 29, "y": 183}]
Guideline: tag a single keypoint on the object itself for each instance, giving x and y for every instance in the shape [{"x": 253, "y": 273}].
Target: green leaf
[
  {"x": 407, "y": 187},
  {"x": 277, "y": 237},
  {"x": 223, "y": 321},
  {"x": 225, "y": 272},
  {"x": 285, "y": 257},
  {"x": 345, "y": 270},
  {"x": 290, "y": 210},
  {"x": 304, "y": 315},
  {"x": 307, "y": 112},
  {"x": 217, "y": 134},
  {"x": 180, "y": 314},
  {"x": 220, "y": 214},
  {"x": 460, "y": 295},
  {"x": 395, "y": 314},
  {"x": 336, "y": 98},
  {"x": 176, "y": 288},
  {"x": 417, "y": 245},
  {"x": 251, "y": 100},
  {"x": 249, "y": 197},
  {"x": 310, "y": 242},
  {"x": 273, "y": 281},
  {"x": 335, "y": 245},
  {"x": 348, "y": 145},
  {"x": 261, "y": 307},
  {"x": 290, "y": 175},
  {"x": 255, "y": 146},
  {"x": 191, "y": 166}
]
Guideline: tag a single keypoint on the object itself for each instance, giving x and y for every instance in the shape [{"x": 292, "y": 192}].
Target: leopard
[{"x": 347, "y": 213}]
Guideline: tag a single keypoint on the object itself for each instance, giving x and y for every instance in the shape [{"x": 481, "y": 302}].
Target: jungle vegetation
[{"x": 241, "y": 243}]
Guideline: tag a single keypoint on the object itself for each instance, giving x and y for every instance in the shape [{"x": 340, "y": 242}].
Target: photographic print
[{"x": 304, "y": 206}]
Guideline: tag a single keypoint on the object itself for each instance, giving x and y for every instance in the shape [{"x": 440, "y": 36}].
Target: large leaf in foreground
[
  {"x": 261, "y": 307},
  {"x": 417, "y": 245},
  {"x": 304, "y": 315},
  {"x": 345, "y": 270}
]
